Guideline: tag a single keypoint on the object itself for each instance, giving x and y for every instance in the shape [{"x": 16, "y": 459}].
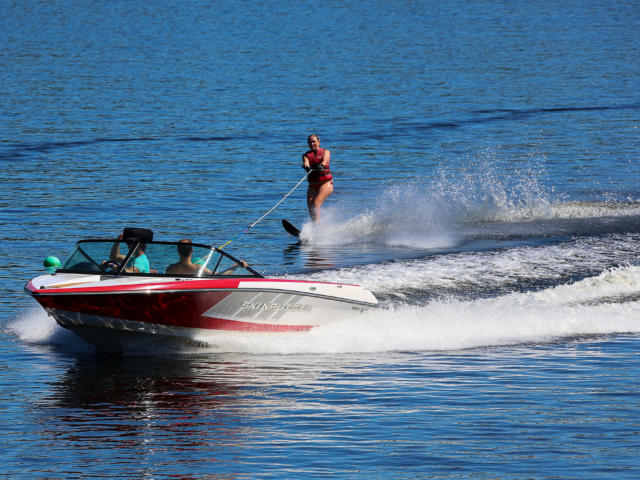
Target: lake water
[{"x": 486, "y": 170}]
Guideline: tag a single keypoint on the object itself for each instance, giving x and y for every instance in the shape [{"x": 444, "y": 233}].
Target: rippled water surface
[{"x": 486, "y": 190}]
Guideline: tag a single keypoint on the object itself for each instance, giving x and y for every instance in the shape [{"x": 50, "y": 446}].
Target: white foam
[
  {"x": 497, "y": 269},
  {"x": 509, "y": 320},
  {"x": 615, "y": 283},
  {"x": 335, "y": 228},
  {"x": 438, "y": 213},
  {"x": 35, "y": 327},
  {"x": 575, "y": 209}
]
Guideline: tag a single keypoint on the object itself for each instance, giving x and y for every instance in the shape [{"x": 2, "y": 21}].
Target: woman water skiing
[{"x": 316, "y": 162}]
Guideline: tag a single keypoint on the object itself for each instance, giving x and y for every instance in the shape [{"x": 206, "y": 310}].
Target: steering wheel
[{"x": 109, "y": 266}]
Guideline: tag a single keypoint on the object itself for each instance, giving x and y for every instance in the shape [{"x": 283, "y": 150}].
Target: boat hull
[{"x": 109, "y": 316}]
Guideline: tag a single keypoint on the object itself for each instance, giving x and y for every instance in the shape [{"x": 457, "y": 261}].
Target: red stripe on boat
[{"x": 177, "y": 309}]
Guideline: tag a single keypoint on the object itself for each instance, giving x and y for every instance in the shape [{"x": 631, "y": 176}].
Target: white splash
[
  {"x": 442, "y": 212},
  {"x": 395, "y": 227},
  {"x": 35, "y": 327},
  {"x": 446, "y": 326}
]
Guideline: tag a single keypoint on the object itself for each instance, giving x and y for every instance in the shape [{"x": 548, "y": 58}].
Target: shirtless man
[{"x": 186, "y": 267}]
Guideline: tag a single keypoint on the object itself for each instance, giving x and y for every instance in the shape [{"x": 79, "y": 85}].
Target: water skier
[{"x": 316, "y": 162}]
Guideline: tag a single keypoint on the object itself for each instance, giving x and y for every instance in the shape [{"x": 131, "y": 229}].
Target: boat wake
[
  {"x": 483, "y": 213},
  {"x": 490, "y": 272}
]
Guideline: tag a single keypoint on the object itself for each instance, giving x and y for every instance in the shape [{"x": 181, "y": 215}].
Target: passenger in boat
[
  {"x": 140, "y": 262},
  {"x": 316, "y": 162},
  {"x": 185, "y": 266}
]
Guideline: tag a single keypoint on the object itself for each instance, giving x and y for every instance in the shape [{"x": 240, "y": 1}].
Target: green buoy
[{"x": 51, "y": 263}]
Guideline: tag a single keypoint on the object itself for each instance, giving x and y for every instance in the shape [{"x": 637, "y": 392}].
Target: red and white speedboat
[{"x": 107, "y": 301}]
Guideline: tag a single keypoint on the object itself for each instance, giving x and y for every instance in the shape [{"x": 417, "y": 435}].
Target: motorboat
[{"x": 182, "y": 291}]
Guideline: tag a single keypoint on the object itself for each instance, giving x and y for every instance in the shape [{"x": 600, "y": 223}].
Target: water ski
[{"x": 290, "y": 228}]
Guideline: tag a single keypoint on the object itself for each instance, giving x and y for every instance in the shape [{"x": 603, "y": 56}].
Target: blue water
[{"x": 486, "y": 190}]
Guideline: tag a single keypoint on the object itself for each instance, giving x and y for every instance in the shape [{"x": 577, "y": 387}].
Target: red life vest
[{"x": 315, "y": 159}]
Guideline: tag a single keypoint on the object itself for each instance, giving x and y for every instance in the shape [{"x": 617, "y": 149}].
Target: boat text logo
[{"x": 277, "y": 307}]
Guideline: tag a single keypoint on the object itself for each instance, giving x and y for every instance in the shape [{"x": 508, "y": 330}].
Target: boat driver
[{"x": 140, "y": 262}]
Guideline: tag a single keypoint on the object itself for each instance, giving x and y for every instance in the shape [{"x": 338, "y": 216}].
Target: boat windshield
[{"x": 153, "y": 258}]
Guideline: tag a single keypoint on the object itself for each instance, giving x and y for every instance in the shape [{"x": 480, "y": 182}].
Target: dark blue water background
[{"x": 486, "y": 165}]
